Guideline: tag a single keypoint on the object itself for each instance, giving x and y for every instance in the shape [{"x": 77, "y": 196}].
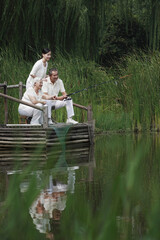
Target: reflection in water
[
  {"x": 52, "y": 201},
  {"x": 117, "y": 198}
]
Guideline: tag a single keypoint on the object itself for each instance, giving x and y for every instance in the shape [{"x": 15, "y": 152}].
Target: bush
[{"x": 119, "y": 38}]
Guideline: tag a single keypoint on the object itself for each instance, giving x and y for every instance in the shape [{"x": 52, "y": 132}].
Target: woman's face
[
  {"x": 47, "y": 56},
  {"x": 39, "y": 84}
]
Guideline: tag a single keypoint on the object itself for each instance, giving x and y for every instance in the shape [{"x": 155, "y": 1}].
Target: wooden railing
[
  {"x": 44, "y": 109},
  {"x": 20, "y": 86}
]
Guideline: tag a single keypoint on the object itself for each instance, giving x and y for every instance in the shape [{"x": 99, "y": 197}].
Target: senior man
[{"x": 52, "y": 87}]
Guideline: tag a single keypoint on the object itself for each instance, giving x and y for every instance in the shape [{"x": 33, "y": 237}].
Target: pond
[{"x": 108, "y": 191}]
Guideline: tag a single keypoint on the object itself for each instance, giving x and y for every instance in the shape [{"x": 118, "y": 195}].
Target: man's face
[{"x": 54, "y": 76}]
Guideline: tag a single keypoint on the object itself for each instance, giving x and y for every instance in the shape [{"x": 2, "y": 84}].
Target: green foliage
[
  {"x": 119, "y": 39},
  {"x": 78, "y": 27},
  {"x": 66, "y": 25}
]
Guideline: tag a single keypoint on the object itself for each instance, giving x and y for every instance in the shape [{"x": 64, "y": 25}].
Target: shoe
[
  {"x": 50, "y": 121},
  {"x": 70, "y": 120}
]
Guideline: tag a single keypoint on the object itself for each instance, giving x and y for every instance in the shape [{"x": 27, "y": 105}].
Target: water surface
[{"x": 108, "y": 191}]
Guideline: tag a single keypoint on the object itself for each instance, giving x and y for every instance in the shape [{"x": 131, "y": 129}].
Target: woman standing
[{"x": 40, "y": 68}]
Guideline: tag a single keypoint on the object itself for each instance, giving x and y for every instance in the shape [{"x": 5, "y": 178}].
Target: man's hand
[
  {"x": 54, "y": 98},
  {"x": 64, "y": 96}
]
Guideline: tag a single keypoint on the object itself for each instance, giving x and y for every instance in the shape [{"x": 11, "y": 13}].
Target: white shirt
[
  {"x": 31, "y": 92},
  {"x": 39, "y": 70},
  {"x": 53, "y": 89}
]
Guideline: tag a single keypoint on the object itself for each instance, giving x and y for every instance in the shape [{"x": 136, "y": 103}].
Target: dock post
[
  {"x": 45, "y": 116},
  {"x": 5, "y": 103},
  {"x": 89, "y": 113},
  {"x": 20, "y": 90}
]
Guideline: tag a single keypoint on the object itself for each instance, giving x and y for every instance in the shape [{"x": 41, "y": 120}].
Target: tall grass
[
  {"x": 130, "y": 103},
  {"x": 73, "y": 26}
]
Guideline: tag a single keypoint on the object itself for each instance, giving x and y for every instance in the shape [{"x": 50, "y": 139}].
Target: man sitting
[{"x": 51, "y": 88}]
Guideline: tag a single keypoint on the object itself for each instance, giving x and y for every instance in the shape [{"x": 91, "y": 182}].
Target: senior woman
[{"x": 34, "y": 96}]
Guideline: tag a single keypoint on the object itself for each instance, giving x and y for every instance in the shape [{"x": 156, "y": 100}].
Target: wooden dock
[
  {"x": 30, "y": 136},
  {"x": 25, "y": 142}
]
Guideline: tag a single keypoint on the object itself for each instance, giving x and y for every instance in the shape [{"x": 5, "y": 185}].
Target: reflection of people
[
  {"x": 34, "y": 96},
  {"x": 51, "y": 202},
  {"x": 49, "y": 205},
  {"x": 40, "y": 68},
  {"x": 52, "y": 87}
]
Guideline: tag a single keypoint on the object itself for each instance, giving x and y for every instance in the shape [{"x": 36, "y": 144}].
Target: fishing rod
[{"x": 95, "y": 85}]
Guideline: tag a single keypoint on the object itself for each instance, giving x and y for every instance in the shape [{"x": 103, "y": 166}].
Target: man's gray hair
[{"x": 52, "y": 70}]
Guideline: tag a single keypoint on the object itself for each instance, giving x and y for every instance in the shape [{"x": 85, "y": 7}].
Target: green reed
[{"x": 129, "y": 103}]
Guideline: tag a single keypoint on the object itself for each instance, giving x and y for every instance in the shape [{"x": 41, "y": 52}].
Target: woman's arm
[
  {"x": 35, "y": 101},
  {"x": 35, "y": 68},
  {"x": 47, "y": 97}
]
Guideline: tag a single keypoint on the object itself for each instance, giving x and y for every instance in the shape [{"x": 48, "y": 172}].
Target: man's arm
[
  {"x": 64, "y": 95},
  {"x": 49, "y": 97}
]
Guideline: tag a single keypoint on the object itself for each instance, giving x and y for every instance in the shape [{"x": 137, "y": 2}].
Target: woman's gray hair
[{"x": 36, "y": 79}]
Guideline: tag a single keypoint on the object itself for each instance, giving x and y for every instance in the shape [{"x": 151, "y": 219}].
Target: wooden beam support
[{"x": 5, "y": 104}]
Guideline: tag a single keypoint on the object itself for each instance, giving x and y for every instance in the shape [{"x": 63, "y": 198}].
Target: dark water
[{"x": 108, "y": 191}]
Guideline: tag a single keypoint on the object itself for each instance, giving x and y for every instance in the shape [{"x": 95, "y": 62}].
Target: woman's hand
[
  {"x": 43, "y": 102},
  {"x": 44, "y": 79}
]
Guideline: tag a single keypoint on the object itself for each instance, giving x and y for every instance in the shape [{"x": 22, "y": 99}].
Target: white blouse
[
  {"x": 39, "y": 70},
  {"x": 30, "y": 92}
]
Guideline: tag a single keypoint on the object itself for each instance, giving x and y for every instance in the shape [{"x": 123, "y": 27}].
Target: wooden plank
[
  {"x": 22, "y": 139},
  {"x": 20, "y": 155},
  {"x": 20, "y": 101},
  {"x": 69, "y": 151},
  {"x": 21, "y": 135},
  {"x": 80, "y": 106},
  {"x": 69, "y": 142},
  {"x": 14, "y": 130},
  {"x": 15, "y": 86},
  {"x": 68, "y": 138},
  {"x": 22, "y": 143},
  {"x": 22, "y": 158}
]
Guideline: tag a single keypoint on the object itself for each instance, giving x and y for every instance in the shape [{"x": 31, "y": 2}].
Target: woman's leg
[
  {"x": 26, "y": 111},
  {"x": 37, "y": 115}
]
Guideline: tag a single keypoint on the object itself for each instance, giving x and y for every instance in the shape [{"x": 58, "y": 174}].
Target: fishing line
[{"x": 95, "y": 85}]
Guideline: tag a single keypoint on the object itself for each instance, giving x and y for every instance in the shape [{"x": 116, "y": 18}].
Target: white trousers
[
  {"x": 37, "y": 116},
  {"x": 59, "y": 104}
]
